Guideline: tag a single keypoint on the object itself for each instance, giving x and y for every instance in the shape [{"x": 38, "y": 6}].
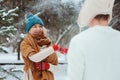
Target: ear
[{"x": 91, "y": 22}]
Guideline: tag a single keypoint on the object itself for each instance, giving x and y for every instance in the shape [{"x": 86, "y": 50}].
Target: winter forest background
[{"x": 59, "y": 16}]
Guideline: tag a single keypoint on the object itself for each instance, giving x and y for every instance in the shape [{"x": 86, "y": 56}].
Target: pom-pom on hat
[
  {"x": 92, "y": 8},
  {"x": 32, "y": 20}
]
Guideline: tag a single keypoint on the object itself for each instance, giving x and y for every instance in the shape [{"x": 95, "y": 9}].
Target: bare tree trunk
[{"x": 18, "y": 49}]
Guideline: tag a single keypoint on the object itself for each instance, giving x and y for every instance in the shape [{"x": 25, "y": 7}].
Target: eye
[
  {"x": 40, "y": 26},
  {"x": 34, "y": 26}
]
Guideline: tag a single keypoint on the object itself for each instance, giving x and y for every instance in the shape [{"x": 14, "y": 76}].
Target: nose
[{"x": 40, "y": 31}]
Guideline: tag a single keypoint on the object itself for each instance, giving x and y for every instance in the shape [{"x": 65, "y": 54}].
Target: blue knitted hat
[{"x": 32, "y": 20}]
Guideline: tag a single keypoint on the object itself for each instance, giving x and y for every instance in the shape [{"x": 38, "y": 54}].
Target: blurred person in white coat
[{"x": 94, "y": 54}]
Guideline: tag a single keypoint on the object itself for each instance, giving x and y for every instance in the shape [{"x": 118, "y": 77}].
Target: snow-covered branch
[
  {"x": 63, "y": 34},
  {"x": 9, "y": 72},
  {"x": 10, "y": 12}
]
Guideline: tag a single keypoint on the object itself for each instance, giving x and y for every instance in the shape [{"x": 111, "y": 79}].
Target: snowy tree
[{"x": 7, "y": 28}]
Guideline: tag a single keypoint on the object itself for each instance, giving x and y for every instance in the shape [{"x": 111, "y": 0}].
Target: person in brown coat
[{"x": 37, "y": 51}]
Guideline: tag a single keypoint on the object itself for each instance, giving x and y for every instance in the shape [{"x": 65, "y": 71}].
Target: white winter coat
[{"x": 94, "y": 54}]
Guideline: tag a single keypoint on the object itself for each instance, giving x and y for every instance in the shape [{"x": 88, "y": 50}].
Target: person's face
[{"x": 36, "y": 29}]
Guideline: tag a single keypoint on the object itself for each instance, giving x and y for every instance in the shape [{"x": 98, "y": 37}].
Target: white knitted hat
[{"x": 91, "y": 8}]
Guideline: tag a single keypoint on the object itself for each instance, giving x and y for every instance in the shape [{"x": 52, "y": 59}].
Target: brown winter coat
[{"x": 31, "y": 45}]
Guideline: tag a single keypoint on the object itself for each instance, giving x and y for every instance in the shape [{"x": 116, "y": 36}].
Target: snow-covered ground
[
  {"x": 16, "y": 71},
  {"x": 62, "y": 73}
]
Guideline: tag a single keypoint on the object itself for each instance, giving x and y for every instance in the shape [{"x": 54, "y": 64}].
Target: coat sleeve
[
  {"x": 26, "y": 49},
  {"x": 41, "y": 55},
  {"x": 53, "y": 59},
  {"x": 76, "y": 62},
  {"x": 47, "y": 55}
]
